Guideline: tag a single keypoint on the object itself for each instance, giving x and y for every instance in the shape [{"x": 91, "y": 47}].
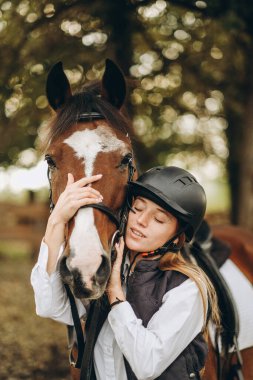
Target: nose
[
  {"x": 88, "y": 288},
  {"x": 142, "y": 219}
]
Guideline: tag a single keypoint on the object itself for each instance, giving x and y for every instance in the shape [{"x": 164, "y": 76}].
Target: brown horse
[
  {"x": 240, "y": 241},
  {"x": 89, "y": 135}
]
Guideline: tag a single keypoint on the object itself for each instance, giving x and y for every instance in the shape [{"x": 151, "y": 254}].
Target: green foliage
[{"x": 180, "y": 58}]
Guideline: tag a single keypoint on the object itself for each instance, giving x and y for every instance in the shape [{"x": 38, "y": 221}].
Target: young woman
[{"x": 159, "y": 314}]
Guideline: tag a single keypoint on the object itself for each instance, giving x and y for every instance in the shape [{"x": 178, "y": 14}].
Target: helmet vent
[{"x": 187, "y": 180}]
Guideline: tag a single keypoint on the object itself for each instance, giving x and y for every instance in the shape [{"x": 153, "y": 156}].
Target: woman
[{"x": 159, "y": 314}]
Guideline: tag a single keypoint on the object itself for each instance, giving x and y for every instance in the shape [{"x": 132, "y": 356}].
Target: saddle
[{"x": 210, "y": 254}]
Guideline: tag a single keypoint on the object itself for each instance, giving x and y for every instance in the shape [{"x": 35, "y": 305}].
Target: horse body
[
  {"x": 83, "y": 144},
  {"x": 241, "y": 244}
]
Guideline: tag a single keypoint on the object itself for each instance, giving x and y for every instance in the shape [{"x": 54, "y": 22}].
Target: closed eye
[
  {"x": 159, "y": 221},
  {"x": 136, "y": 208}
]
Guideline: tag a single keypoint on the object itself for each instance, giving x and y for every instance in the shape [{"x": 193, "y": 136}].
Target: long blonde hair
[{"x": 176, "y": 262}]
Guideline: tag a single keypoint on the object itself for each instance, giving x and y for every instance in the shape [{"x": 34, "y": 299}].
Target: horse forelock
[{"x": 84, "y": 102}]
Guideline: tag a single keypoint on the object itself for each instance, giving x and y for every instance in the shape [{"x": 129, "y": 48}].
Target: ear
[
  {"x": 57, "y": 88},
  {"x": 113, "y": 84}
]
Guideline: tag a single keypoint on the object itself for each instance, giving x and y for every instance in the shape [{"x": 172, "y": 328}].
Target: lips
[{"x": 137, "y": 233}]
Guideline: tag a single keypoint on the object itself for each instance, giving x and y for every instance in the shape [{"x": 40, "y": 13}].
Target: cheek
[
  {"x": 160, "y": 234},
  {"x": 58, "y": 186}
]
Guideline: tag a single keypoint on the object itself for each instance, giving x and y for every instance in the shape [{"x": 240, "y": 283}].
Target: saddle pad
[{"x": 242, "y": 291}]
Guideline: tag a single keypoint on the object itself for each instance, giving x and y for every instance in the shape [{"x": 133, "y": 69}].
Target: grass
[{"x": 31, "y": 347}]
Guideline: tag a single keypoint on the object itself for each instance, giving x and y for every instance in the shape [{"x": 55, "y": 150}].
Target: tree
[
  {"x": 237, "y": 86},
  {"x": 189, "y": 87}
]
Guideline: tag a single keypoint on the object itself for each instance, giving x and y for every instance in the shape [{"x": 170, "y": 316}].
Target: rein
[{"x": 99, "y": 308}]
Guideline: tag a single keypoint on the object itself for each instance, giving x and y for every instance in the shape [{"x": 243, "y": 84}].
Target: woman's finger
[
  {"x": 87, "y": 180},
  {"x": 86, "y": 201},
  {"x": 120, "y": 245},
  {"x": 120, "y": 249},
  {"x": 70, "y": 179},
  {"x": 90, "y": 190},
  {"x": 83, "y": 197},
  {"x": 85, "y": 192},
  {"x": 121, "y": 242}
]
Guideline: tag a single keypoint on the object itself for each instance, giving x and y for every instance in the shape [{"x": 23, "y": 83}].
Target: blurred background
[{"x": 190, "y": 101}]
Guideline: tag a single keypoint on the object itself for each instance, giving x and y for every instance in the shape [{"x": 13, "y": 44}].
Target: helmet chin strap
[{"x": 170, "y": 246}]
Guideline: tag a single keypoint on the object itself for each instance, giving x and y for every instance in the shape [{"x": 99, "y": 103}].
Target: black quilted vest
[{"x": 146, "y": 288}]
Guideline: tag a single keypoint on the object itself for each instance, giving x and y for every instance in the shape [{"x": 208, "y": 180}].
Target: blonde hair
[{"x": 176, "y": 262}]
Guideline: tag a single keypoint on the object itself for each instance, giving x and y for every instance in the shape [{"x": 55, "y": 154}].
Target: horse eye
[
  {"x": 50, "y": 161},
  {"x": 126, "y": 159}
]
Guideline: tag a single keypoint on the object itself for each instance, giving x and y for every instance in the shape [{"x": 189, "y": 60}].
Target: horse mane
[{"x": 87, "y": 100}]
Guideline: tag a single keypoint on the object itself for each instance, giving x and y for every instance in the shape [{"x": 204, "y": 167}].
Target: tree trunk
[
  {"x": 245, "y": 211},
  {"x": 239, "y": 113},
  {"x": 118, "y": 17}
]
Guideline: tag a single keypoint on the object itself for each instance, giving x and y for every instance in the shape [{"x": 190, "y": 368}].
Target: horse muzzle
[{"x": 86, "y": 287}]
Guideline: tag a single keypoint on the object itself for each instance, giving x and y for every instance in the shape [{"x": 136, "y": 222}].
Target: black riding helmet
[{"x": 177, "y": 191}]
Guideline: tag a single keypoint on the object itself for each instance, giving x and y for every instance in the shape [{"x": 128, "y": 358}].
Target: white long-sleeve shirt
[{"x": 149, "y": 350}]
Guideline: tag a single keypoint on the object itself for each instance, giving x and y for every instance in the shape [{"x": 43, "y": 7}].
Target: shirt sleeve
[
  {"x": 50, "y": 296},
  {"x": 151, "y": 350}
]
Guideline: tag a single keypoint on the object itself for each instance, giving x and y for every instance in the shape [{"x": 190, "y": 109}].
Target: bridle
[
  {"x": 84, "y": 359},
  {"x": 120, "y": 218}
]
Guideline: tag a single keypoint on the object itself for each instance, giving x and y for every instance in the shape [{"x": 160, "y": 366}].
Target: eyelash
[
  {"x": 138, "y": 210},
  {"x": 50, "y": 162}
]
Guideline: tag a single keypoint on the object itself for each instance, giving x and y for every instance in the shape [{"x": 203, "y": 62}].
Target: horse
[
  {"x": 89, "y": 135},
  {"x": 240, "y": 242}
]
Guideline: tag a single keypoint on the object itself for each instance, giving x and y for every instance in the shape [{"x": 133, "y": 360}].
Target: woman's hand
[
  {"x": 114, "y": 288},
  {"x": 75, "y": 195}
]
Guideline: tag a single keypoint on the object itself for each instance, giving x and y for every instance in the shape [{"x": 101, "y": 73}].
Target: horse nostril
[
  {"x": 65, "y": 273},
  {"x": 103, "y": 271}
]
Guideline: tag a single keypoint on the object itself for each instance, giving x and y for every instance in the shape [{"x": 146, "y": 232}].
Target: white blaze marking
[
  {"x": 85, "y": 244},
  {"x": 84, "y": 238},
  {"x": 88, "y": 143}
]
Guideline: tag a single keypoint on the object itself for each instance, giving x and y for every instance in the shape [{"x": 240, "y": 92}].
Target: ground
[{"x": 31, "y": 347}]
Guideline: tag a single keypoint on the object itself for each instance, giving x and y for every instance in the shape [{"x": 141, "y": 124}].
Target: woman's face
[{"x": 149, "y": 227}]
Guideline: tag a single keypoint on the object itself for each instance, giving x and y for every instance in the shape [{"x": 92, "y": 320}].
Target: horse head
[{"x": 89, "y": 135}]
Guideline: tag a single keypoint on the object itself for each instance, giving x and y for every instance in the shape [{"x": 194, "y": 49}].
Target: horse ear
[
  {"x": 113, "y": 84},
  {"x": 58, "y": 89}
]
